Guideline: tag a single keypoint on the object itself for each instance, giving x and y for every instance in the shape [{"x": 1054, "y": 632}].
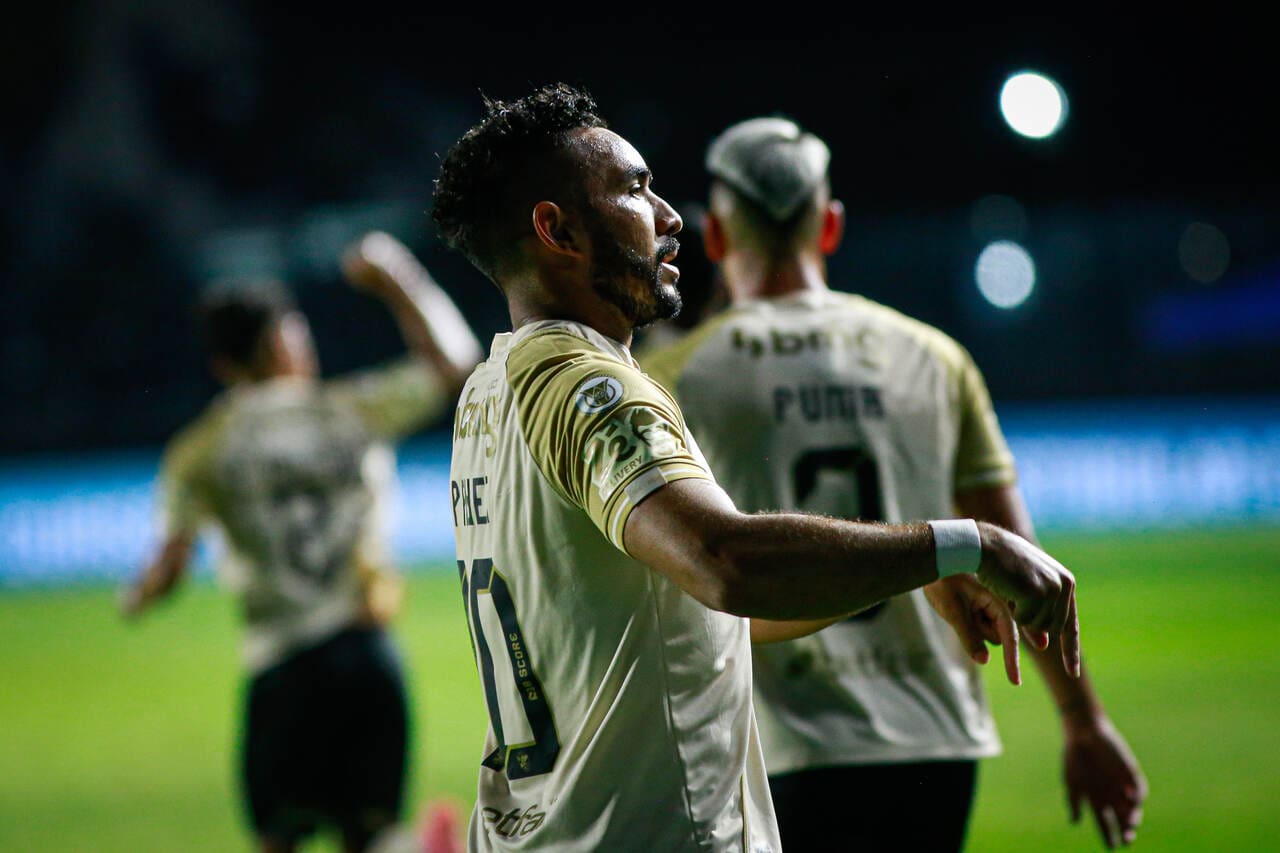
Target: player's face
[{"x": 631, "y": 231}]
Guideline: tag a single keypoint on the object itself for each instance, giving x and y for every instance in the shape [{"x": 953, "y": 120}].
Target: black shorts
[
  {"x": 325, "y": 738},
  {"x": 871, "y": 807}
]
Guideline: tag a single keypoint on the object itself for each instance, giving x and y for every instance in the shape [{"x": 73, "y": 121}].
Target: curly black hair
[{"x": 501, "y": 167}]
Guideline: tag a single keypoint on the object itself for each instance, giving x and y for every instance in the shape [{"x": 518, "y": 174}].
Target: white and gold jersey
[
  {"x": 827, "y": 402},
  {"x": 620, "y": 713},
  {"x": 293, "y": 472}
]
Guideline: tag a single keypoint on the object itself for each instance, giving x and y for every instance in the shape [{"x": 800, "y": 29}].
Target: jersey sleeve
[
  {"x": 395, "y": 399},
  {"x": 185, "y": 482},
  {"x": 982, "y": 456},
  {"x": 603, "y": 433}
]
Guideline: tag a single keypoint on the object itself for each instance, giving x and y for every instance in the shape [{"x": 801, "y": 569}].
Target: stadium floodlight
[
  {"x": 1005, "y": 274},
  {"x": 1033, "y": 105}
]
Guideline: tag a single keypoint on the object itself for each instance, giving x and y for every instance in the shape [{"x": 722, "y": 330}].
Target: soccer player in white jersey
[
  {"x": 292, "y": 469},
  {"x": 606, "y": 576},
  {"x": 808, "y": 399}
]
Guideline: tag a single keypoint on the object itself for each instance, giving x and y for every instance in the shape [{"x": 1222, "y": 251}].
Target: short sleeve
[
  {"x": 184, "y": 484},
  {"x": 982, "y": 456},
  {"x": 393, "y": 400},
  {"x": 603, "y": 433}
]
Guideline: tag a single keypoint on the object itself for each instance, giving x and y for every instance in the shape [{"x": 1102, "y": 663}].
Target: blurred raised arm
[{"x": 433, "y": 328}]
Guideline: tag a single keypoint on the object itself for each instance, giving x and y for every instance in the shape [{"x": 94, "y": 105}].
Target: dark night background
[{"x": 150, "y": 147}]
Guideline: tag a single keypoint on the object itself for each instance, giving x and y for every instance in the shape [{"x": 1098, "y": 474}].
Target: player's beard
[{"x": 616, "y": 268}]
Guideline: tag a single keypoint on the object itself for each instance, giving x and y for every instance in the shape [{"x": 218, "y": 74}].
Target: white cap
[{"x": 771, "y": 161}]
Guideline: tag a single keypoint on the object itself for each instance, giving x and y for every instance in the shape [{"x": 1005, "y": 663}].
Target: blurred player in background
[
  {"x": 292, "y": 470},
  {"x": 605, "y": 574},
  {"x": 807, "y": 399}
]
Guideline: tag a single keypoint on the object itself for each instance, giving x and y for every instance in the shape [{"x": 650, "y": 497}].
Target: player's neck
[
  {"x": 760, "y": 278},
  {"x": 259, "y": 374},
  {"x": 602, "y": 317}
]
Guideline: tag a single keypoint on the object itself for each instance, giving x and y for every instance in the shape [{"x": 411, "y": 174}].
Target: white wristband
[{"x": 957, "y": 546}]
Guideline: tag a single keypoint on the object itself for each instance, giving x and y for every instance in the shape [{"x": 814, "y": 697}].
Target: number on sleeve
[{"x": 484, "y": 587}]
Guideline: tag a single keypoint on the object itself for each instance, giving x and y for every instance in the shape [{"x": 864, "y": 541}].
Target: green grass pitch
[{"x": 122, "y": 737}]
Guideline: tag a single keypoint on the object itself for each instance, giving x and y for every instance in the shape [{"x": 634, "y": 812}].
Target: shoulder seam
[
  {"x": 935, "y": 341},
  {"x": 679, "y": 353}
]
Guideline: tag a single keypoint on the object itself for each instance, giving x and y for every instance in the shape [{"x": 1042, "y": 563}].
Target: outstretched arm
[
  {"x": 789, "y": 566},
  {"x": 433, "y": 328},
  {"x": 160, "y": 577},
  {"x": 976, "y": 615},
  {"x": 1098, "y": 765}
]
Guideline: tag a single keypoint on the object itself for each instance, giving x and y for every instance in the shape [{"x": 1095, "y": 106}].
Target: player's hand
[
  {"x": 1101, "y": 770},
  {"x": 382, "y": 595},
  {"x": 978, "y": 617},
  {"x": 378, "y": 264},
  {"x": 1040, "y": 591}
]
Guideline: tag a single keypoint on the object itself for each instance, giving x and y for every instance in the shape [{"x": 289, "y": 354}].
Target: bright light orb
[
  {"x": 1005, "y": 273},
  {"x": 1033, "y": 105}
]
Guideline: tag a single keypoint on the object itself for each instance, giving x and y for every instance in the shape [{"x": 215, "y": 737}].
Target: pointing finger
[{"x": 1008, "y": 633}]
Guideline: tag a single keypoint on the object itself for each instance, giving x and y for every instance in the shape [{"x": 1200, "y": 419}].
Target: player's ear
[
  {"x": 554, "y": 229},
  {"x": 832, "y": 227},
  {"x": 713, "y": 238}
]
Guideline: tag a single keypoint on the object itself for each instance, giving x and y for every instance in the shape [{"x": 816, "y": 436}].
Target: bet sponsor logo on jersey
[
  {"x": 516, "y": 823},
  {"x": 598, "y": 394},
  {"x": 864, "y": 343}
]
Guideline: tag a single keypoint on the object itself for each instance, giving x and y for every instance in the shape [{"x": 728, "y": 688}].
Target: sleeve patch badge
[
  {"x": 598, "y": 394},
  {"x": 625, "y": 443}
]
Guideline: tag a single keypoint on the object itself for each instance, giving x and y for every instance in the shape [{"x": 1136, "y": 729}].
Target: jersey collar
[{"x": 505, "y": 341}]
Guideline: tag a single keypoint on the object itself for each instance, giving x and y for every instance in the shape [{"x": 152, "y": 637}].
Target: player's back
[
  {"x": 619, "y": 707},
  {"x": 827, "y": 402},
  {"x": 822, "y": 401},
  {"x": 293, "y": 471}
]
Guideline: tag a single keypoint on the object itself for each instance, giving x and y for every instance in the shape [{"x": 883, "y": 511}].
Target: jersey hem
[
  {"x": 268, "y": 644},
  {"x": 779, "y": 767}
]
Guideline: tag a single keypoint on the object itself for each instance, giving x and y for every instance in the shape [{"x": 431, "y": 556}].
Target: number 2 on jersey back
[
  {"x": 485, "y": 590},
  {"x": 856, "y": 468}
]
